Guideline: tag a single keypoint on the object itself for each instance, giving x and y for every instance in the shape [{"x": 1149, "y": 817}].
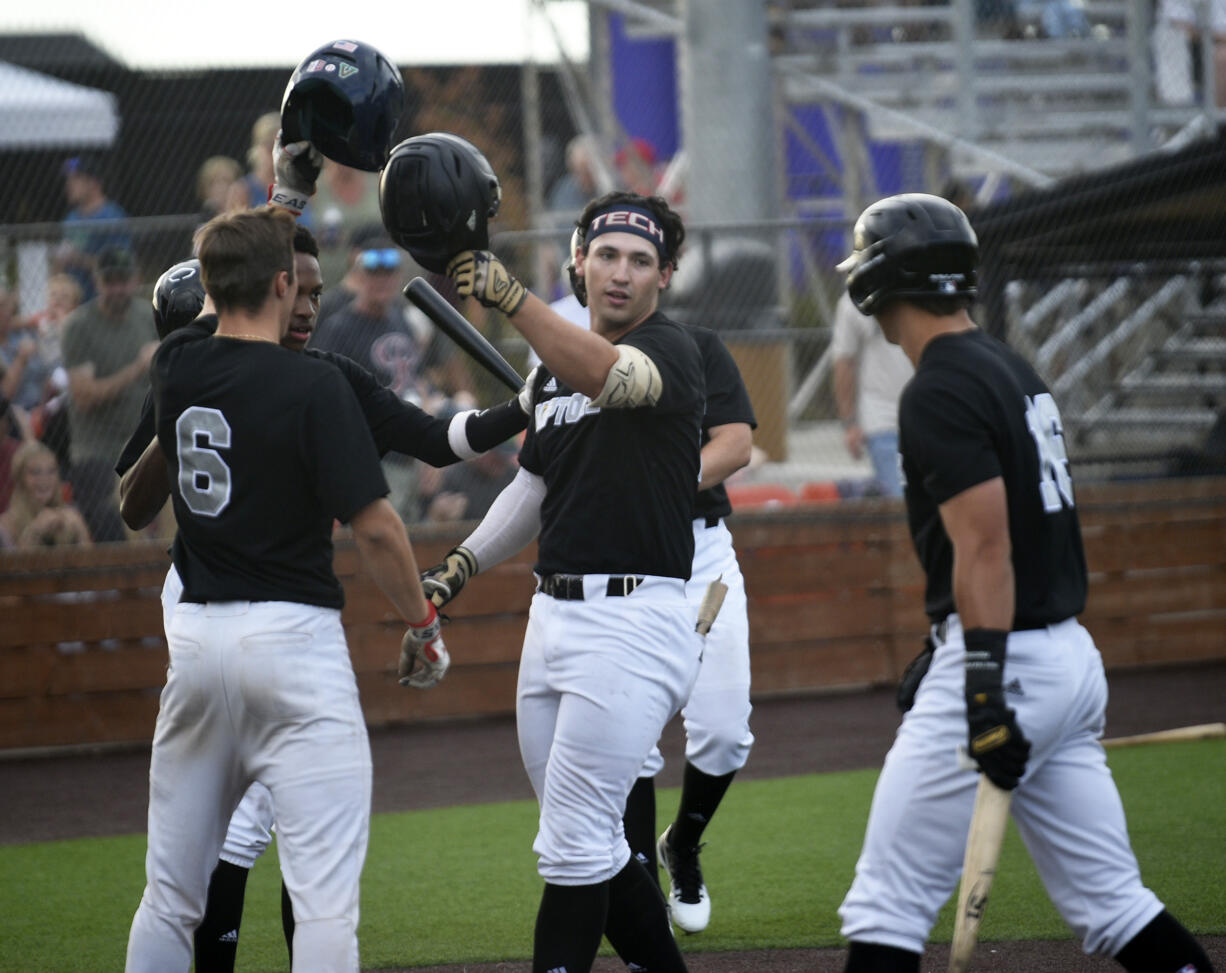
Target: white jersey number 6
[
  {"x": 204, "y": 477},
  {"x": 1055, "y": 484}
]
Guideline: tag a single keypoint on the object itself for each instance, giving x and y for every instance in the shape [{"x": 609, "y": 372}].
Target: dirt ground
[{"x": 104, "y": 792}]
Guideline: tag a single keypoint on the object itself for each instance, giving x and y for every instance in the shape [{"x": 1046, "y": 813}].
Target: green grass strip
[{"x": 460, "y": 884}]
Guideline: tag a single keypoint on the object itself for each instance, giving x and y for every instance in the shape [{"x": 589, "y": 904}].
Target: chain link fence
[{"x": 1015, "y": 108}]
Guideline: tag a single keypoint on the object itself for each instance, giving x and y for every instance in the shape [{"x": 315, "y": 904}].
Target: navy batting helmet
[
  {"x": 178, "y": 297},
  {"x": 913, "y": 245},
  {"x": 345, "y": 99},
  {"x": 437, "y": 194}
]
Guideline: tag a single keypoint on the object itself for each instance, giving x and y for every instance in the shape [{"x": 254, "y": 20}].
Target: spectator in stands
[
  {"x": 345, "y": 200},
  {"x": 108, "y": 345},
  {"x": 360, "y": 240},
  {"x": 93, "y": 223},
  {"x": 219, "y": 186},
  {"x": 25, "y": 373},
  {"x": 37, "y": 515},
  {"x": 466, "y": 490},
  {"x": 372, "y": 330},
  {"x": 636, "y": 166},
  {"x": 50, "y": 418},
  {"x": 1176, "y": 29},
  {"x": 869, "y": 374},
  {"x": 578, "y": 184}
]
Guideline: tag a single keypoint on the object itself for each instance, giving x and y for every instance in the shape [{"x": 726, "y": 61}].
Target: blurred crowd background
[{"x": 1084, "y": 138}]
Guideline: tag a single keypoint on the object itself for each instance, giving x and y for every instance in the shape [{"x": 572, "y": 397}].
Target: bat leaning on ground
[
  {"x": 1201, "y": 731},
  {"x": 453, "y": 324},
  {"x": 983, "y": 844}
]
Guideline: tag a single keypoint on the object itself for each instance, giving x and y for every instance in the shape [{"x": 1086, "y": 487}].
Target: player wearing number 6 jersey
[
  {"x": 265, "y": 450},
  {"x": 1015, "y": 679}
]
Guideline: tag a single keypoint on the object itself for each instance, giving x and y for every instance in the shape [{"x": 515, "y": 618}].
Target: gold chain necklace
[{"x": 244, "y": 337}]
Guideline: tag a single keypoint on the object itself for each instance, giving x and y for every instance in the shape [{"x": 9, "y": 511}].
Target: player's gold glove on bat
[
  {"x": 480, "y": 274},
  {"x": 444, "y": 581}
]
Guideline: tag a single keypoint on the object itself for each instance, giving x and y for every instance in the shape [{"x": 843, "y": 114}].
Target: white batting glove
[
  {"x": 525, "y": 394},
  {"x": 296, "y": 169},
  {"x": 424, "y": 659}
]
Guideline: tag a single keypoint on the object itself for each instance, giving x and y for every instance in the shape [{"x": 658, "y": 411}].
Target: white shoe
[{"x": 689, "y": 905}]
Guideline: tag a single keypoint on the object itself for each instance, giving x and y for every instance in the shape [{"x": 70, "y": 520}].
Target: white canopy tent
[{"x": 41, "y": 112}]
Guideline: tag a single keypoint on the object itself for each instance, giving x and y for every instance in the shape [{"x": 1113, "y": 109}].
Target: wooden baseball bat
[
  {"x": 1201, "y": 731},
  {"x": 983, "y": 844},
  {"x": 457, "y": 327}
]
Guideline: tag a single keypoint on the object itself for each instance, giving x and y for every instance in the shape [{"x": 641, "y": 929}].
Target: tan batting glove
[{"x": 480, "y": 274}]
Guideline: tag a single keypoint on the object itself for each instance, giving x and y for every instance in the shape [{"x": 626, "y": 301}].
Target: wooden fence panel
[{"x": 835, "y": 600}]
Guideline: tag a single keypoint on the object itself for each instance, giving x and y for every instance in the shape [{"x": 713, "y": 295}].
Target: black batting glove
[
  {"x": 994, "y": 740},
  {"x": 444, "y": 581}
]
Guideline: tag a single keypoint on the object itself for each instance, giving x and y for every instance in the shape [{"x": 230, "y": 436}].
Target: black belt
[
  {"x": 944, "y": 622},
  {"x": 569, "y": 587},
  {"x": 712, "y": 521}
]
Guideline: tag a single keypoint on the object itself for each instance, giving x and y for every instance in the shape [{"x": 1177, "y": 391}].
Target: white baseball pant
[
  {"x": 598, "y": 680},
  {"x": 256, "y": 691},
  {"x": 1066, "y": 807},
  {"x": 250, "y": 830},
  {"x": 716, "y": 716}
]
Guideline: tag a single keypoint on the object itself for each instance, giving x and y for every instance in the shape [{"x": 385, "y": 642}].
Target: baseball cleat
[{"x": 688, "y": 902}]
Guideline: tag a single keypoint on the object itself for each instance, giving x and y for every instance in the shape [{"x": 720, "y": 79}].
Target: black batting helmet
[
  {"x": 913, "y": 245},
  {"x": 437, "y": 194},
  {"x": 178, "y": 297},
  {"x": 345, "y": 99}
]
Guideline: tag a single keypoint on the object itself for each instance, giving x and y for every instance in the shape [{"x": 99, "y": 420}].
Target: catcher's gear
[
  {"x": 296, "y": 168},
  {"x": 178, "y": 297},
  {"x": 423, "y": 657},
  {"x": 480, "y": 274},
  {"x": 345, "y": 98},
  {"x": 912, "y": 245},
  {"x": 577, "y": 284},
  {"x": 444, "y": 581},
  {"x": 437, "y": 195},
  {"x": 995, "y": 741},
  {"x": 913, "y": 675}
]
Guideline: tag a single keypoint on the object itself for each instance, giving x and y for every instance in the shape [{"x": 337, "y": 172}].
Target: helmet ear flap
[{"x": 577, "y": 284}]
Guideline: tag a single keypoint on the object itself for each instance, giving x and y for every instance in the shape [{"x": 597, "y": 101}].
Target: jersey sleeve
[
  {"x": 676, "y": 357},
  {"x": 945, "y": 429},
  {"x": 338, "y": 449},
  {"x": 145, "y": 430},
  {"x": 727, "y": 397}
]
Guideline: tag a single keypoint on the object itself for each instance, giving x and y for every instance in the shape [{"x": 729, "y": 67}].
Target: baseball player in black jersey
[
  {"x": 1015, "y": 680},
  {"x": 260, "y": 686},
  {"x": 396, "y": 425},
  {"x": 608, "y": 471},
  {"x": 716, "y": 716}
]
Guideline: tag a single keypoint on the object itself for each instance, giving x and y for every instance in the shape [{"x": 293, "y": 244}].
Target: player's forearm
[
  {"x": 145, "y": 488},
  {"x": 845, "y": 389},
  {"x": 729, "y": 449},
  {"x": 575, "y": 356},
  {"x": 90, "y": 393},
  {"x": 983, "y": 585},
  {"x": 511, "y": 523},
  {"x": 384, "y": 547}
]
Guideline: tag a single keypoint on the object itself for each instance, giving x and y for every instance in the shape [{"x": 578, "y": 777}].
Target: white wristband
[{"x": 291, "y": 199}]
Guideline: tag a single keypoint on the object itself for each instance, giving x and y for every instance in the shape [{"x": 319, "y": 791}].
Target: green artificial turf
[{"x": 459, "y": 884}]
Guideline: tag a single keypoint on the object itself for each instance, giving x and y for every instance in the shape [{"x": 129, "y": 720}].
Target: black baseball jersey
[
  {"x": 973, "y": 411},
  {"x": 265, "y": 449},
  {"x": 397, "y": 426},
  {"x": 620, "y": 482},
  {"x": 727, "y": 401}
]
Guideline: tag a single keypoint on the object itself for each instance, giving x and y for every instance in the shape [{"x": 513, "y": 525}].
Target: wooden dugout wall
[{"x": 835, "y": 595}]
